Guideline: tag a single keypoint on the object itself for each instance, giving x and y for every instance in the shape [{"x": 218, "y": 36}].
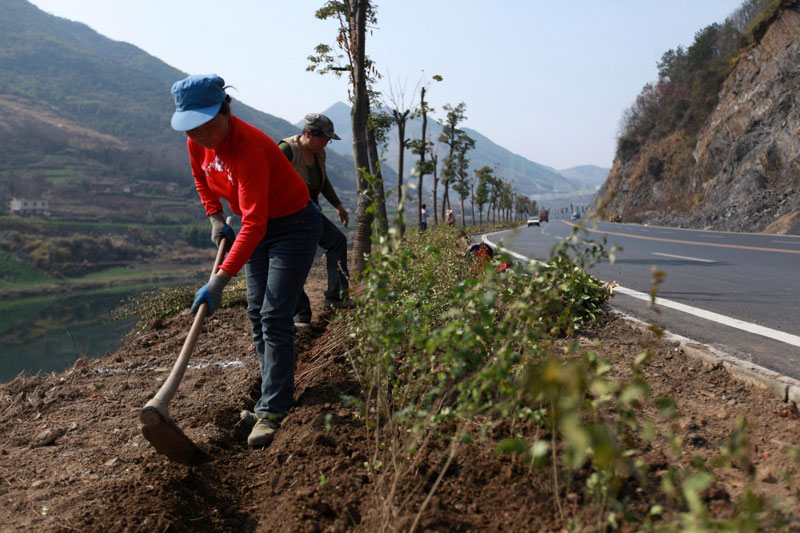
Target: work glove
[
  {"x": 211, "y": 294},
  {"x": 220, "y": 229}
]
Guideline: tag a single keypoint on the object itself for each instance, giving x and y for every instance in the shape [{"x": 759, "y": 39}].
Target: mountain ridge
[
  {"x": 60, "y": 77},
  {"x": 528, "y": 177},
  {"x": 727, "y": 162}
]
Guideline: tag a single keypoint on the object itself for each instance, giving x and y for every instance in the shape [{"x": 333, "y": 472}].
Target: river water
[{"x": 49, "y": 334}]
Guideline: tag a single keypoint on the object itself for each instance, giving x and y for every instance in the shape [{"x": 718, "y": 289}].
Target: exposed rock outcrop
[{"x": 743, "y": 173}]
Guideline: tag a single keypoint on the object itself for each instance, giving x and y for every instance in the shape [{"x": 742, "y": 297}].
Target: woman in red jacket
[{"x": 280, "y": 229}]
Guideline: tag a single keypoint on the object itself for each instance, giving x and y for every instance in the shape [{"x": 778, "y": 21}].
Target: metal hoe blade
[{"x": 168, "y": 439}]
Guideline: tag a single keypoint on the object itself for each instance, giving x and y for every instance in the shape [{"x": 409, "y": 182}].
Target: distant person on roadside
[
  {"x": 451, "y": 218},
  {"x": 276, "y": 245},
  {"x": 423, "y": 224},
  {"x": 306, "y": 152}
]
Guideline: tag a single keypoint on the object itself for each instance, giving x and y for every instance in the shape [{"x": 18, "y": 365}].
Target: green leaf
[{"x": 514, "y": 445}]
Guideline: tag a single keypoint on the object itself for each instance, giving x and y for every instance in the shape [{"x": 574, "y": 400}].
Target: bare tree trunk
[
  {"x": 362, "y": 245},
  {"x": 435, "y": 186},
  {"x": 445, "y": 199},
  {"x": 380, "y": 195},
  {"x": 401, "y": 133},
  {"x": 472, "y": 200},
  {"x": 422, "y": 158},
  {"x": 463, "y": 213}
]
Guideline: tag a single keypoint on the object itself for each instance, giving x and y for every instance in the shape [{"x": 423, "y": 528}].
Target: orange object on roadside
[{"x": 480, "y": 254}]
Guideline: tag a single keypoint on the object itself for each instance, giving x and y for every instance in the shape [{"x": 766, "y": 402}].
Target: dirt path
[{"x": 72, "y": 456}]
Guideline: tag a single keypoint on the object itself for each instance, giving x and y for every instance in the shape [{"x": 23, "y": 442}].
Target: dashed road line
[
  {"x": 749, "y": 327},
  {"x": 684, "y": 257},
  {"x": 678, "y": 241}
]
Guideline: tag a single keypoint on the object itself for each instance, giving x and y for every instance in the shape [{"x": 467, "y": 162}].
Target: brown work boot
[
  {"x": 339, "y": 303},
  {"x": 263, "y": 432}
]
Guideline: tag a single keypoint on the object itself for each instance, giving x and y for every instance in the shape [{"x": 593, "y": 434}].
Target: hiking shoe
[
  {"x": 248, "y": 417},
  {"x": 262, "y": 432},
  {"x": 339, "y": 304}
]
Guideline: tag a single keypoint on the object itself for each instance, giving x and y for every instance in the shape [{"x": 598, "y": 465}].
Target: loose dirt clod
[{"x": 47, "y": 437}]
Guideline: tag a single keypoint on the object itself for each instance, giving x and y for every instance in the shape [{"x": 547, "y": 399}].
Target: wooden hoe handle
[{"x": 160, "y": 401}]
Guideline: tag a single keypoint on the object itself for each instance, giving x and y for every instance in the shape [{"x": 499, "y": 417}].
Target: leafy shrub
[
  {"x": 430, "y": 311},
  {"x": 442, "y": 343},
  {"x": 196, "y": 235},
  {"x": 15, "y": 271},
  {"x": 164, "y": 219},
  {"x": 151, "y": 308}
]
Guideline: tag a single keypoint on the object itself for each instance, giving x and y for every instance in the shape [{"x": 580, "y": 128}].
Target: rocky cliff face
[{"x": 743, "y": 172}]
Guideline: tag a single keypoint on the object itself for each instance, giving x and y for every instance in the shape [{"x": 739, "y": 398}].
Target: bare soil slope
[{"x": 72, "y": 456}]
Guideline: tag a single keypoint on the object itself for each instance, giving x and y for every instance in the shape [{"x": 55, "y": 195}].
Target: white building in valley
[{"x": 23, "y": 207}]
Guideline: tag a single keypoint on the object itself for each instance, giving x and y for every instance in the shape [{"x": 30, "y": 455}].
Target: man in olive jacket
[{"x": 306, "y": 152}]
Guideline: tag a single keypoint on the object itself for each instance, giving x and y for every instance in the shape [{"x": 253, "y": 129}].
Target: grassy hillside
[
  {"x": 78, "y": 109},
  {"x": 15, "y": 271}
]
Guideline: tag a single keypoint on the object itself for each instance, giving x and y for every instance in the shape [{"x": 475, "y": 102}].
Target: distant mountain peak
[{"x": 528, "y": 176}]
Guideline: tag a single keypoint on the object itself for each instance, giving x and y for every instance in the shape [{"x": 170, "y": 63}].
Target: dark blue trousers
[
  {"x": 334, "y": 243},
  {"x": 275, "y": 274}
]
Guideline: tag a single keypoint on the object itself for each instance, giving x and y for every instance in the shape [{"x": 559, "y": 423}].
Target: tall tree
[
  {"x": 464, "y": 144},
  {"x": 524, "y": 206},
  {"x": 507, "y": 201},
  {"x": 449, "y": 137},
  {"x": 378, "y": 125},
  {"x": 484, "y": 178},
  {"x": 495, "y": 185},
  {"x": 353, "y": 16},
  {"x": 472, "y": 182},
  {"x": 434, "y": 166},
  {"x": 419, "y": 148},
  {"x": 362, "y": 245},
  {"x": 400, "y": 114}
]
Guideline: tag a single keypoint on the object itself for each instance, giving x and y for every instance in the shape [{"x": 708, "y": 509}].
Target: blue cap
[{"x": 197, "y": 100}]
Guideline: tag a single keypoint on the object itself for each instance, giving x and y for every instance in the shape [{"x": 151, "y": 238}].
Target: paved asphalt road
[{"x": 742, "y": 289}]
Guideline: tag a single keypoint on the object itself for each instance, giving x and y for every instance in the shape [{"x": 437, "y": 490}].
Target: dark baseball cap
[
  {"x": 197, "y": 100},
  {"x": 317, "y": 123}
]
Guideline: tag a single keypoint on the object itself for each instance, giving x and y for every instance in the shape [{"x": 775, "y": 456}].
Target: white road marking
[
  {"x": 770, "y": 333},
  {"x": 712, "y": 236},
  {"x": 787, "y": 242},
  {"x": 749, "y": 327},
  {"x": 686, "y": 258}
]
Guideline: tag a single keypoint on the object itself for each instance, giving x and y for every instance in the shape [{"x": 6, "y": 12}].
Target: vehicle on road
[
  {"x": 544, "y": 215},
  {"x": 533, "y": 221},
  {"x": 576, "y": 216}
]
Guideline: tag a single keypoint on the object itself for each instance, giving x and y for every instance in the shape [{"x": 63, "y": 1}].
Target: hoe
[{"x": 158, "y": 426}]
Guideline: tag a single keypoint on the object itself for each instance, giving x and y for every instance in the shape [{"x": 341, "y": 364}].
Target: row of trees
[{"x": 370, "y": 127}]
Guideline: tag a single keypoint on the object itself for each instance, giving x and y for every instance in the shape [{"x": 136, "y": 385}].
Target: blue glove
[
  {"x": 220, "y": 229},
  {"x": 228, "y": 233},
  {"x": 211, "y": 294}
]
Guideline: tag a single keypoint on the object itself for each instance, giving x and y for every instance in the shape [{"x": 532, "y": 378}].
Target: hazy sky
[{"x": 545, "y": 79}]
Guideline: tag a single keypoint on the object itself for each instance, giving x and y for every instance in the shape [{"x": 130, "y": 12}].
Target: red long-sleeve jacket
[{"x": 252, "y": 174}]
